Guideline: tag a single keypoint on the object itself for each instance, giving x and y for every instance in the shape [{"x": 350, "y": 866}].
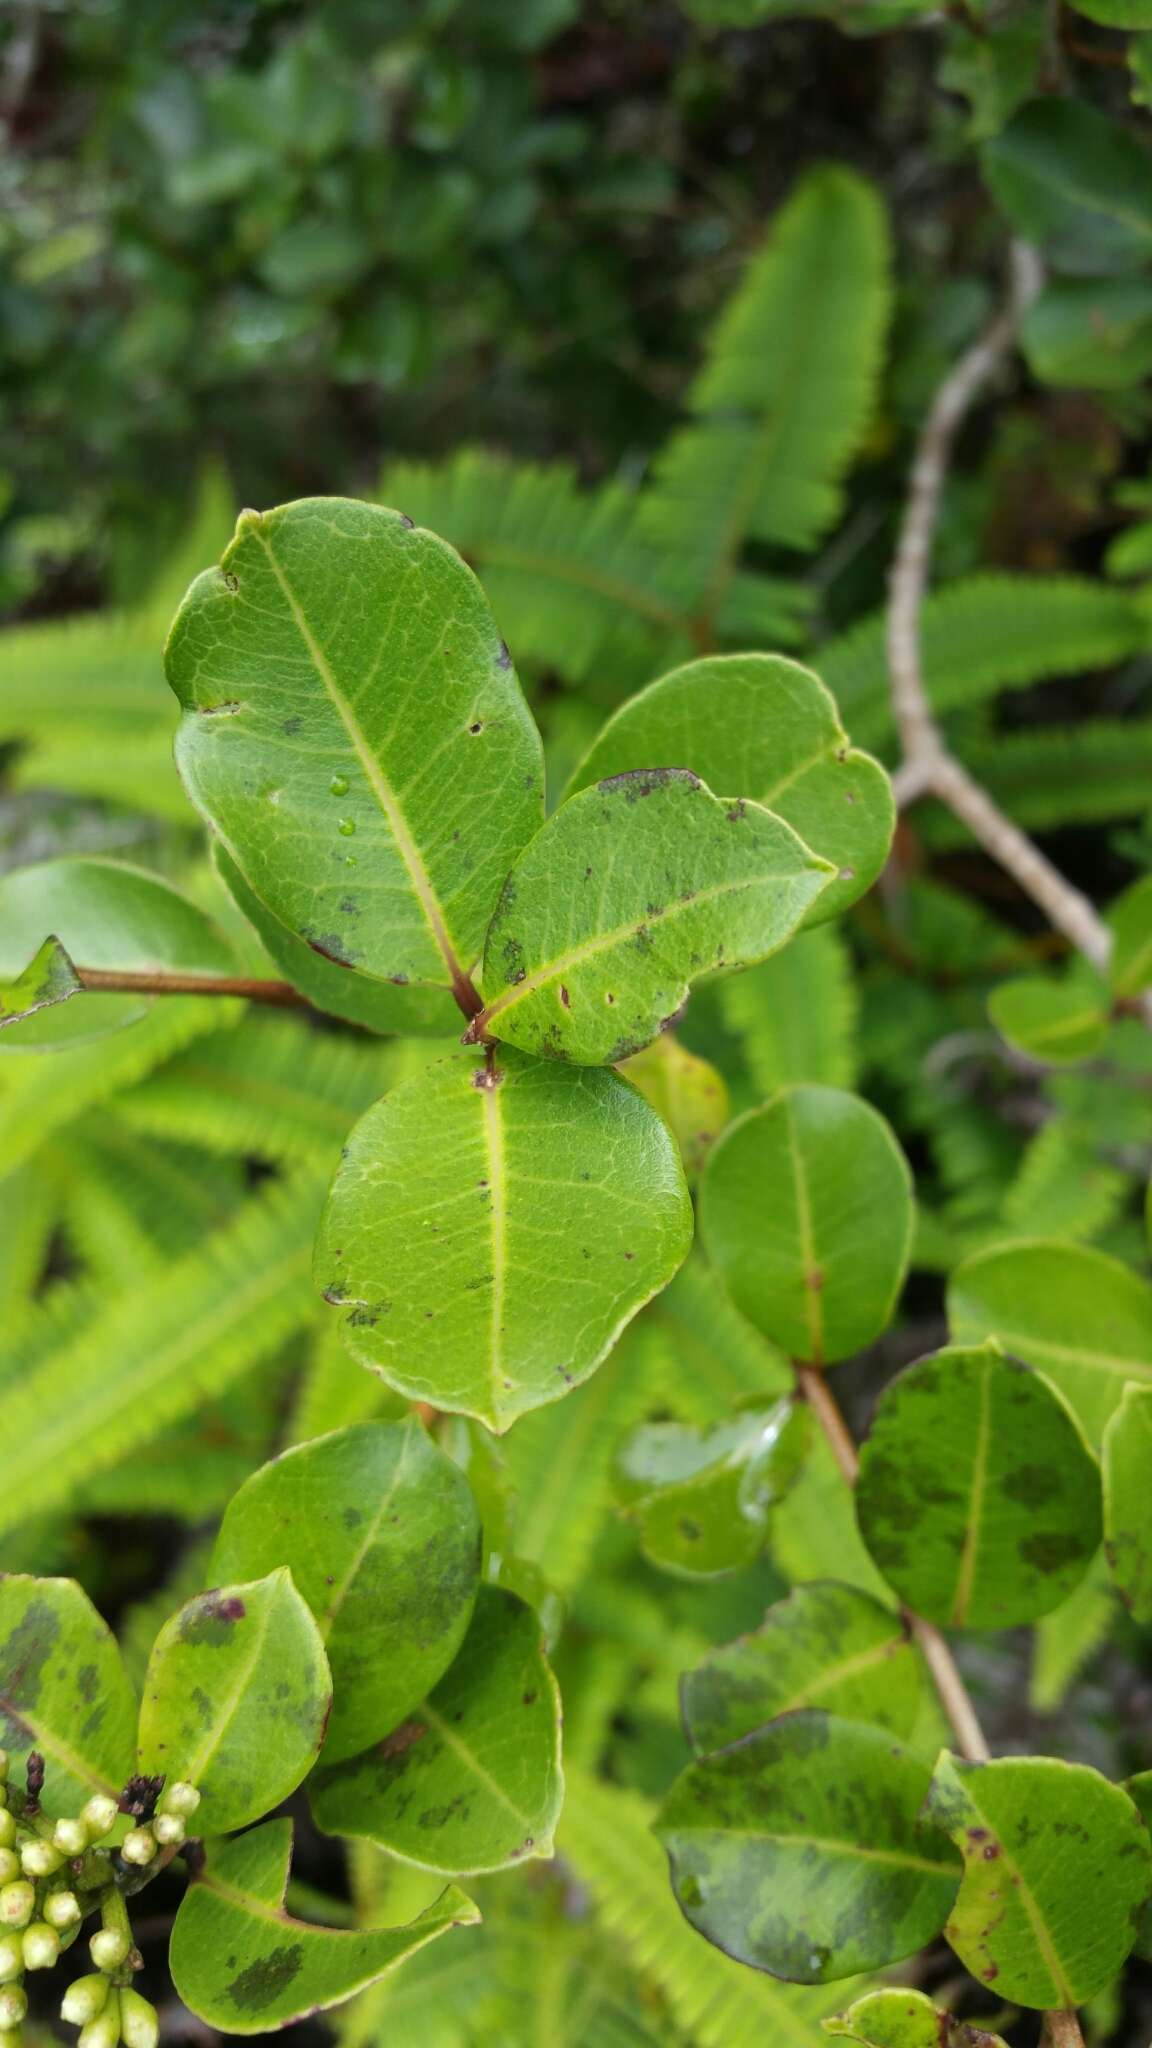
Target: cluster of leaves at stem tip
[{"x": 355, "y": 737}]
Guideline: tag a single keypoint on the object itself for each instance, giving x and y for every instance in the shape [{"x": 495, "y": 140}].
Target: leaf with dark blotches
[
  {"x": 800, "y": 1850},
  {"x": 471, "y": 1781},
  {"x": 63, "y": 915},
  {"x": 1127, "y": 1464},
  {"x": 236, "y": 1699},
  {"x": 64, "y": 1692},
  {"x": 1078, "y": 1316},
  {"x": 492, "y": 1228},
  {"x": 757, "y": 725},
  {"x": 906, "y": 2019},
  {"x": 382, "y": 1538},
  {"x": 1057, "y": 1868},
  {"x": 806, "y": 1209},
  {"x": 828, "y": 1646},
  {"x": 354, "y": 733},
  {"x": 244, "y": 1965},
  {"x": 978, "y": 1497},
  {"x": 700, "y": 1496},
  {"x": 632, "y": 892}
]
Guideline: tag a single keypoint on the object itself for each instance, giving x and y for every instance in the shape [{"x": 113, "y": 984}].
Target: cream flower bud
[
  {"x": 139, "y": 2024},
  {"x": 17, "y": 1904},
  {"x": 99, "y": 1816},
  {"x": 9, "y": 1866},
  {"x": 180, "y": 1798},
  {"x": 11, "y": 1958},
  {"x": 103, "y": 2032},
  {"x": 84, "y": 1999},
  {"x": 41, "y": 1946},
  {"x": 109, "y": 1947},
  {"x": 7, "y": 1828},
  {"x": 138, "y": 1846},
  {"x": 169, "y": 1829},
  {"x": 40, "y": 1859},
  {"x": 61, "y": 1909},
  {"x": 13, "y": 2005},
  {"x": 70, "y": 1837}
]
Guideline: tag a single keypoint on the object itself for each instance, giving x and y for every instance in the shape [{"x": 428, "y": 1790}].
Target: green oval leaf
[
  {"x": 978, "y": 1497},
  {"x": 700, "y": 1496},
  {"x": 1078, "y": 1316},
  {"x": 632, "y": 892},
  {"x": 105, "y": 914},
  {"x": 1127, "y": 1460},
  {"x": 236, "y": 1698},
  {"x": 1060, "y": 1022},
  {"x": 1077, "y": 183},
  {"x": 1130, "y": 967},
  {"x": 354, "y": 732},
  {"x": 1057, "y": 1867},
  {"x": 472, "y": 1780},
  {"x": 48, "y": 979},
  {"x": 491, "y": 1232},
  {"x": 906, "y": 2019},
  {"x": 756, "y": 725},
  {"x": 381, "y": 1535},
  {"x": 63, "y": 1691},
  {"x": 1092, "y": 332},
  {"x": 1117, "y": 13},
  {"x": 800, "y": 1849},
  {"x": 806, "y": 1208},
  {"x": 241, "y": 1963},
  {"x": 376, "y": 1005},
  {"x": 827, "y": 1646},
  {"x": 688, "y": 1092}
]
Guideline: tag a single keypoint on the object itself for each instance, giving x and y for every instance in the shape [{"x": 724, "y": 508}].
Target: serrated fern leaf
[
  {"x": 129, "y": 1204},
  {"x": 605, "y": 1834},
  {"x": 192, "y": 1471},
  {"x": 709, "y": 1356},
  {"x": 334, "y": 1390},
  {"x": 795, "y": 1015},
  {"x": 277, "y": 1089},
  {"x": 979, "y": 637},
  {"x": 576, "y": 585},
  {"x": 30, "y": 1202},
  {"x": 40, "y": 1093},
  {"x": 787, "y": 391},
  {"x": 1062, "y": 1189},
  {"x": 1059, "y": 776},
  {"x": 150, "y": 1357},
  {"x": 142, "y": 1621}
]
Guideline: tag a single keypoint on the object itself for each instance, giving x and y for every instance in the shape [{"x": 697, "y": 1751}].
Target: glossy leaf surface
[
  {"x": 236, "y": 1698},
  {"x": 244, "y": 1965},
  {"x": 806, "y": 1209},
  {"x": 1078, "y": 1316},
  {"x": 800, "y": 1849},
  {"x": 1056, "y": 1869},
  {"x": 48, "y": 979},
  {"x": 1077, "y": 183},
  {"x": 905, "y": 2019},
  {"x": 327, "y": 983},
  {"x": 354, "y": 733},
  {"x": 978, "y": 1497},
  {"x": 700, "y": 1496},
  {"x": 1127, "y": 1467},
  {"x": 491, "y": 1242},
  {"x": 633, "y": 891},
  {"x": 688, "y": 1092},
  {"x": 471, "y": 1781},
  {"x": 756, "y": 725},
  {"x": 1130, "y": 968},
  {"x": 63, "y": 1691},
  {"x": 382, "y": 1538},
  {"x": 827, "y": 1646},
  {"x": 104, "y": 914},
  {"x": 1059, "y": 1022}
]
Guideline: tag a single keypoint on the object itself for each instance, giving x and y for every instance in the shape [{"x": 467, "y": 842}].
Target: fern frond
[
  {"x": 981, "y": 636},
  {"x": 576, "y": 585},
  {"x": 605, "y": 1834},
  {"x": 40, "y": 1093},
  {"x": 192, "y": 1471},
  {"x": 192, "y": 1329},
  {"x": 277, "y": 1089},
  {"x": 1062, "y": 1189},
  {"x": 795, "y": 1015},
  {"x": 813, "y": 1532},
  {"x": 142, "y": 1621},
  {"x": 135, "y": 771},
  {"x": 30, "y": 1202},
  {"x": 560, "y": 1460},
  {"x": 334, "y": 1390},
  {"x": 1063, "y": 1641},
  {"x": 710, "y": 1356},
  {"x": 1058, "y": 776},
  {"x": 976, "y": 1156},
  {"x": 787, "y": 391},
  {"x": 129, "y": 1205}
]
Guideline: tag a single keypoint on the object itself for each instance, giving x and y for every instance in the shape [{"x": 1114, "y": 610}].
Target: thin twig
[
  {"x": 962, "y": 1717},
  {"x": 928, "y": 768},
  {"x": 1062, "y": 2030},
  {"x": 107, "y": 981}
]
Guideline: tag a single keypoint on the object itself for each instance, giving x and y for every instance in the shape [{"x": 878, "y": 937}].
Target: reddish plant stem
[{"x": 108, "y": 981}]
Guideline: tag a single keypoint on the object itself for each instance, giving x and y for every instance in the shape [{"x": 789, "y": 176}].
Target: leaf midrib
[
  {"x": 962, "y": 1598},
  {"x": 826, "y": 1843}
]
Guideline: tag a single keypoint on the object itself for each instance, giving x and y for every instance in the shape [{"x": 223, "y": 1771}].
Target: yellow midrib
[
  {"x": 967, "y": 1572},
  {"x": 493, "y": 1124},
  {"x": 812, "y": 1312}
]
